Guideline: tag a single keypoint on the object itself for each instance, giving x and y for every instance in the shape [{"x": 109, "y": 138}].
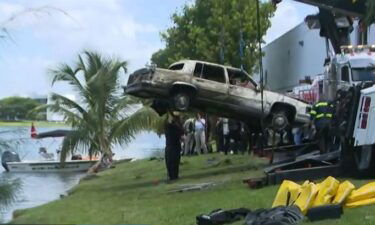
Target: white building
[{"x": 298, "y": 53}]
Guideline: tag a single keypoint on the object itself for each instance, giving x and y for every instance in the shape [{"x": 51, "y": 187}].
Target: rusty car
[{"x": 218, "y": 89}]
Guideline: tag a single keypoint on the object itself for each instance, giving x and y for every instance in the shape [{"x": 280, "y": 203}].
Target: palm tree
[
  {"x": 101, "y": 117},
  {"x": 8, "y": 191}
]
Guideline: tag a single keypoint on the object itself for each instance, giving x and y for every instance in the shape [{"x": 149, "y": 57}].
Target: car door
[
  {"x": 211, "y": 83},
  {"x": 243, "y": 93}
]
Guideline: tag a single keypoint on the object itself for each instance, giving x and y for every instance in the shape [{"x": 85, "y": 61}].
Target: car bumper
[{"x": 146, "y": 89}]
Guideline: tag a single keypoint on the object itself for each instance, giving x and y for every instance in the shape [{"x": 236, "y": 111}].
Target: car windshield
[
  {"x": 178, "y": 66},
  {"x": 363, "y": 74}
]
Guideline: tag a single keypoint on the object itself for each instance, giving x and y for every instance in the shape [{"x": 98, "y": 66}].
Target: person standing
[
  {"x": 234, "y": 134},
  {"x": 173, "y": 133},
  {"x": 200, "y": 135},
  {"x": 189, "y": 136},
  {"x": 226, "y": 136},
  {"x": 321, "y": 116},
  {"x": 219, "y": 135}
]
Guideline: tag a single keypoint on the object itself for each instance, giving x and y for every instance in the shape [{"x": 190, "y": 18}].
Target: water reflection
[{"x": 38, "y": 188}]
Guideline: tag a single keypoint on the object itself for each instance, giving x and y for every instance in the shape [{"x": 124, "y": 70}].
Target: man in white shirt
[
  {"x": 189, "y": 136},
  {"x": 200, "y": 135}
]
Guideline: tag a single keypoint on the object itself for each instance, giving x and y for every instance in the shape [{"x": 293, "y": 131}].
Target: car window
[
  {"x": 213, "y": 73},
  {"x": 198, "y": 69},
  {"x": 179, "y": 66},
  {"x": 240, "y": 78}
]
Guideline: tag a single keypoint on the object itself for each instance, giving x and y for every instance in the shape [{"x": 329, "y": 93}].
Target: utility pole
[{"x": 260, "y": 73}]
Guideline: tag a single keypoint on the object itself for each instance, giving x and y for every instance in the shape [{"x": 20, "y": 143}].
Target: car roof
[{"x": 198, "y": 61}]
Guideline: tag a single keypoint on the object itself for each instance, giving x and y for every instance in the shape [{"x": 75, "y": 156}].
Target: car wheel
[
  {"x": 279, "y": 120},
  {"x": 181, "y": 101}
]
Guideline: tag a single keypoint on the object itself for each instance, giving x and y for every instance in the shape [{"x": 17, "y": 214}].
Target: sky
[{"x": 61, "y": 29}]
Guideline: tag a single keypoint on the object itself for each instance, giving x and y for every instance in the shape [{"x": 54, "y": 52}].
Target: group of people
[
  {"x": 231, "y": 136},
  {"x": 193, "y": 133},
  {"x": 195, "y": 136},
  {"x": 189, "y": 137}
]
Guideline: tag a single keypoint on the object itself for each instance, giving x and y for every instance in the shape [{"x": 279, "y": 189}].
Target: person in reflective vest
[{"x": 322, "y": 115}]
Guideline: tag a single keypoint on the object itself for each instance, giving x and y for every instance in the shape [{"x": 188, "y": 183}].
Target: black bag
[{"x": 220, "y": 216}]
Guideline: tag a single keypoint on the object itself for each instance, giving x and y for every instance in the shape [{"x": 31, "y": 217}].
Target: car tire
[
  {"x": 181, "y": 101},
  {"x": 279, "y": 120}
]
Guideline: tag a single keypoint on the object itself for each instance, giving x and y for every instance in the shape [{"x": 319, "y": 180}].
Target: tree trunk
[
  {"x": 107, "y": 156},
  {"x": 105, "y": 161}
]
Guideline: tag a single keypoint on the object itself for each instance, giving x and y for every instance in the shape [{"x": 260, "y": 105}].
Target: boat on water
[{"x": 11, "y": 161}]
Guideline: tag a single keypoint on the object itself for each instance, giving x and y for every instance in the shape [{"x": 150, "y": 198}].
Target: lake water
[{"x": 40, "y": 188}]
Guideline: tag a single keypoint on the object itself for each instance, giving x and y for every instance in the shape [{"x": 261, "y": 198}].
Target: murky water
[{"x": 40, "y": 188}]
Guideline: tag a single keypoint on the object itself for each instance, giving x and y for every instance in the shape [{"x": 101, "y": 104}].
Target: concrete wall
[{"x": 297, "y": 54}]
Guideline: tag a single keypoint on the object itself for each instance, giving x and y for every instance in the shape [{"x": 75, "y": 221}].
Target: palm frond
[
  {"x": 141, "y": 120},
  {"x": 65, "y": 102},
  {"x": 8, "y": 191},
  {"x": 77, "y": 139},
  {"x": 67, "y": 74}
]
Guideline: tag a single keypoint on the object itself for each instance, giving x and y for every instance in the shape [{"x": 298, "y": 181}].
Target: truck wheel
[
  {"x": 364, "y": 159},
  {"x": 358, "y": 161},
  {"x": 279, "y": 120},
  {"x": 181, "y": 101}
]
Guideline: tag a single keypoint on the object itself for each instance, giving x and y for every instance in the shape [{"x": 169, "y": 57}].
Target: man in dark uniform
[
  {"x": 173, "y": 133},
  {"x": 321, "y": 115}
]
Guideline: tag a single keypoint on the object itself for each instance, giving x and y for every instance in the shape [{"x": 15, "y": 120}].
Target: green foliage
[
  {"x": 8, "y": 190},
  {"x": 102, "y": 116},
  {"x": 370, "y": 15},
  {"x": 201, "y": 31},
  {"x": 13, "y": 108}
]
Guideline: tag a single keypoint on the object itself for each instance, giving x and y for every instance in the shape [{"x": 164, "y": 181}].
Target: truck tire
[
  {"x": 357, "y": 161},
  {"x": 364, "y": 160},
  {"x": 181, "y": 100}
]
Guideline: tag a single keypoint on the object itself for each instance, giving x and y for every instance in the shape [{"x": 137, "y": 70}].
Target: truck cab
[{"x": 355, "y": 64}]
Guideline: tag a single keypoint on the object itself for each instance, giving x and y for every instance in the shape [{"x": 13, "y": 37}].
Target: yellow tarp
[
  {"x": 365, "y": 192},
  {"x": 307, "y": 196},
  {"x": 343, "y": 192},
  {"x": 330, "y": 191},
  {"x": 287, "y": 193},
  {"x": 360, "y": 203},
  {"x": 327, "y": 190}
]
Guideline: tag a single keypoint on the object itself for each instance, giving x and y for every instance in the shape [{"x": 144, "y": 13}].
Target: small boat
[
  {"x": 49, "y": 166},
  {"x": 12, "y": 163}
]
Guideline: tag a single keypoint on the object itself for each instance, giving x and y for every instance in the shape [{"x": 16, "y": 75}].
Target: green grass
[
  {"x": 136, "y": 193},
  {"x": 28, "y": 124}
]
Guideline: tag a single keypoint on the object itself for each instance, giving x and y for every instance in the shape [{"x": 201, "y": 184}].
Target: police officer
[
  {"x": 322, "y": 115},
  {"x": 173, "y": 132}
]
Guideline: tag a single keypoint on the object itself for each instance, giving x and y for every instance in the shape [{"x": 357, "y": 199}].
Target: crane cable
[{"x": 260, "y": 73}]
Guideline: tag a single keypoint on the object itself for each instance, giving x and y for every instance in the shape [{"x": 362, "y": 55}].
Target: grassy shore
[
  {"x": 28, "y": 124},
  {"x": 136, "y": 193}
]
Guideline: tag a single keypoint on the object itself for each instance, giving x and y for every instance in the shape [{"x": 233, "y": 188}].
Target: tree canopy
[
  {"x": 216, "y": 31},
  {"x": 370, "y": 16},
  {"x": 13, "y": 108}
]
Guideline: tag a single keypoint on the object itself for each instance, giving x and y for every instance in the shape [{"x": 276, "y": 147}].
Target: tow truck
[{"x": 349, "y": 81}]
